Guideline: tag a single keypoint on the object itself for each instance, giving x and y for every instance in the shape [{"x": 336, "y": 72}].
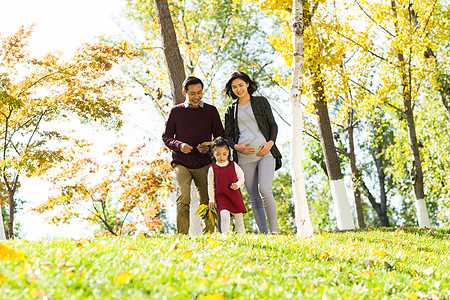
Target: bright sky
[{"x": 61, "y": 25}]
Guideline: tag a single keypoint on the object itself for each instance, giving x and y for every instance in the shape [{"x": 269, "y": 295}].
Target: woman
[{"x": 251, "y": 130}]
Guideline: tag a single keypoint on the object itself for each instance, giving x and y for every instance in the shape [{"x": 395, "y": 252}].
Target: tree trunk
[
  {"x": 444, "y": 91},
  {"x": 12, "y": 207},
  {"x": 376, "y": 206},
  {"x": 177, "y": 74},
  {"x": 342, "y": 207},
  {"x": 355, "y": 174},
  {"x": 382, "y": 207},
  {"x": 416, "y": 171},
  {"x": 2, "y": 227},
  {"x": 302, "y": 217},
  {"x": 172, "y": 56}
]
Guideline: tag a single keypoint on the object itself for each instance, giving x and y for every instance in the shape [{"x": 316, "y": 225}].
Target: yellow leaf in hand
[
  {"x": 211, "y": 217},
  {"x": 202, "y": 209}
]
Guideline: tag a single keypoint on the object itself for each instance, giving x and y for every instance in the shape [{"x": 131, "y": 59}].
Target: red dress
[{"x": 226, "y": 198}]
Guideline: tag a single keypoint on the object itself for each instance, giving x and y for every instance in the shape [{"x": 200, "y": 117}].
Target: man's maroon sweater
[{"x": 192, "y": 126}]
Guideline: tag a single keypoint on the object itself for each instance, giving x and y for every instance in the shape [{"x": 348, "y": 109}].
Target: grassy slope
[{"x": 373, "y": 264}]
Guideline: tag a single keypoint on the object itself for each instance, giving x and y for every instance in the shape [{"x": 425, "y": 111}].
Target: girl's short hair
[
  {"x": 220, "y": 142},
  {"x": 252, "y": 85}
]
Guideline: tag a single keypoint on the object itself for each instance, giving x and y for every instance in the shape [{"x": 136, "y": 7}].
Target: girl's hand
[
  {"x": 265, "y": 148},
  {"x": 234, "y": 186},
  {"x": 211, "y": 205},
  {"x": 243, "y": 148}
]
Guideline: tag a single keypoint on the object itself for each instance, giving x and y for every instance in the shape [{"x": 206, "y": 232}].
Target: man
[{"x": 188, "y": 126}]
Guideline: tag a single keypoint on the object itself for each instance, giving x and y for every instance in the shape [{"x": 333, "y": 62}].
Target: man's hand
[
  {"x": 202, "y": 149},
  {"x": 234, "y": 186},
  {"x": 265, "y": 148},
  {"x": 185, "y": 148},
  {"x": 243, "y": 148}
]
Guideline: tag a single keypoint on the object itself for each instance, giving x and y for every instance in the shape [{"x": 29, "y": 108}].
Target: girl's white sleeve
[
  {"x": 211, "y": 185},
  {"x": 239, "y": 174}
]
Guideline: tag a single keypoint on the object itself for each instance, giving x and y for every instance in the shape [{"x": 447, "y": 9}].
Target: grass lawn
[{"x": 402, "y": 263}]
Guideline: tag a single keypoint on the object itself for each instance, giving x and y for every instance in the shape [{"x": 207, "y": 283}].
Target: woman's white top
[{"x": 211, "y": 184}]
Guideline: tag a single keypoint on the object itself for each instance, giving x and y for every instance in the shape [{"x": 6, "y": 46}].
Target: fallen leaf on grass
[
  {"x": 123, "y": 278},
  {"x": 380, "y": 253},
  {"x": 368, "y": 263},
  {"x": 216, "y": 296},
  {"x": 203, "y": 280},
  {"x": 222, "y": 279},
  {"x": 387, "y": 265},
  {"x": 7, "y": 253},
  {"x": 37, "y": 293},
  {"x": 59, "y": 254},
  {"x": 170, "y": 289},
  {"x": 173, "y": 247},
  {"x": 188, "y": 254},
  {"x": 323, "y": 255},
  {"x": 366, "y": 275},
  {"x": 412, "y": 296},
  {"x": 428, "y": 271}
]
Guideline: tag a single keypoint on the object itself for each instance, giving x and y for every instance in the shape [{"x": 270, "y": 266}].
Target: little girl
[{"x": 225, "y": 178}]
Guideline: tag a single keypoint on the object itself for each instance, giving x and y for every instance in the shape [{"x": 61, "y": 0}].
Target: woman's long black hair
[{"x": 252, "y": 85}]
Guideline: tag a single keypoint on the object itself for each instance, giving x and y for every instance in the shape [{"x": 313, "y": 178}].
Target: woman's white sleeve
[
  {"x": 211, "y": 185},
  {"x": 239, "y": 174}
]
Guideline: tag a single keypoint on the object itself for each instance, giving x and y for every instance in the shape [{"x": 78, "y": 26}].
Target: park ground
[{"x": 395, "y": 263}]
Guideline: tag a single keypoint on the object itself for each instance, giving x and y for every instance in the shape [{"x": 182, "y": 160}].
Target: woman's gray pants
[{"x": 258, "y": 182}]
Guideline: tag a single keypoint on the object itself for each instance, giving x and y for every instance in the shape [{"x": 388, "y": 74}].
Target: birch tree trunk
[
  {"x": 302, "y": 217},
  {"x": 416, "y": 171},
  {"x": 355, "y": 174},
  {"x": 341, "y": 205}
]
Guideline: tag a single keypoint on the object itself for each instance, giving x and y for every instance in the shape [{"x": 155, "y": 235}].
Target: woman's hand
[
  {"x": 211, "y": 204},
  {"x": 243, "y": 148},
  {"x": 234, "y": 186},
  {"x": 265, "y": 148}
]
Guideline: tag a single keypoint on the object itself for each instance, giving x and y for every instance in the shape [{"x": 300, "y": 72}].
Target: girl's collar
[{"x": 222, "y": 164}]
